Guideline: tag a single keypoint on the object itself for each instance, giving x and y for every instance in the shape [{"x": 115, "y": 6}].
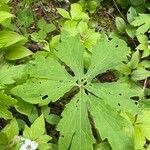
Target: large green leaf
[
  {"x": 95, "y": 105},
  {"x": 106, "y": 55},
  {"x": 114, "y": 95},
  {"x": 75, "y": 128},
  {"x": 110, "y": 124},
  {"x": 73, "y": 50},
  {"x": 47, "y": 82}
]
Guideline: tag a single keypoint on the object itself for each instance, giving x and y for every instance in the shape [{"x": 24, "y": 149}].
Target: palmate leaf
[{"x": 49, "y": 81}]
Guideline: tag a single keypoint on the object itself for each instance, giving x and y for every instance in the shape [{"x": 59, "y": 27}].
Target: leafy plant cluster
[{"x": 94, "y": 114}]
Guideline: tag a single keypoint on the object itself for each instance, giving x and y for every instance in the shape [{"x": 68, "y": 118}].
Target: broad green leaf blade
[
  {"x": 76, "y": 10},
  {"x": 120, "y": 24},
  {"x": 77, "y": 13},
  {"x": 23, "y": 107},
  {"x": 5, "y": 102},
  {"x": 134, "y": 60},
  {"x": 70, "y": 27},
  {"x": 9, "y": 74},
  {"x": 5, "y": 113},
  {"x": 11, "y": 130},
  {"x": 36, "y": 130},
  {"x": 131, "y": 14},
  {"x": 17, "y": 52},
  {"x": 8, "y": 38},
  {"x": 3, "y": 140},
  {"x": 143, "y": 122},
  {"x": 70, "y": 51},
  {"x": 139, "y": 138},
  {"x": 63, "y": 13},
  {"x": 142, "y": 22},
  {"x": 110, "y": 125},
  {"x": 74, "y": 127},
  {"x": 137, "y": 2},
  {"x": 45, "y": 28},
  {"x": 107, "y": 54},
  {"x": 43, "y": 142},
  {"x": 4, "y": 15},
  {"x": 131, "y": 31},
  {"x": 117, "y": 95},
  {"x": 140, "y": 74},
  {"x": 49, "y": 81}
]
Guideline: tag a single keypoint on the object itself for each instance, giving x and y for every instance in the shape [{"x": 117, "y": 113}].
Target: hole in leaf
[
  {"x": 116, "y": 46},
  {"x": 86, "y": 91},
  {"x": 120, "y": 94},
  {"x": 119, "y": 104},
  {"x": 136, "y": 103},
  {"x": 108, "y": 76},
  {"x": 44, "y": 97},
  {"x": 85, "y": 83},
  {"x": 77, "y": 81}
]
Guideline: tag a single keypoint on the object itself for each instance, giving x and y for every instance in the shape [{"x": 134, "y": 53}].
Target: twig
[
  {"x": 144, "y": 86},
  {"x": 119, "y": 10}
]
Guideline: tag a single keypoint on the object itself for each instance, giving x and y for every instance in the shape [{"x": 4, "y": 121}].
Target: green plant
[
  {"x": 11, "y": 43},
  {"x": 78, "y": 23},
  {"x": 11, "y": 140},
  {"x": 139, "y": 5},
  {"x": 83, "y": 90},
  {"x": 90, "y": 5},
  {"x": 41, "y": 35},
  {"x": 133, "y": 70},
  {"x": 97, "y": 101}
]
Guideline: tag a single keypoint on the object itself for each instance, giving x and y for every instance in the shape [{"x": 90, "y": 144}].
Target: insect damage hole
[
  {"x": 44, "y": 97},
  {"x": 119, "y": 104}
]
